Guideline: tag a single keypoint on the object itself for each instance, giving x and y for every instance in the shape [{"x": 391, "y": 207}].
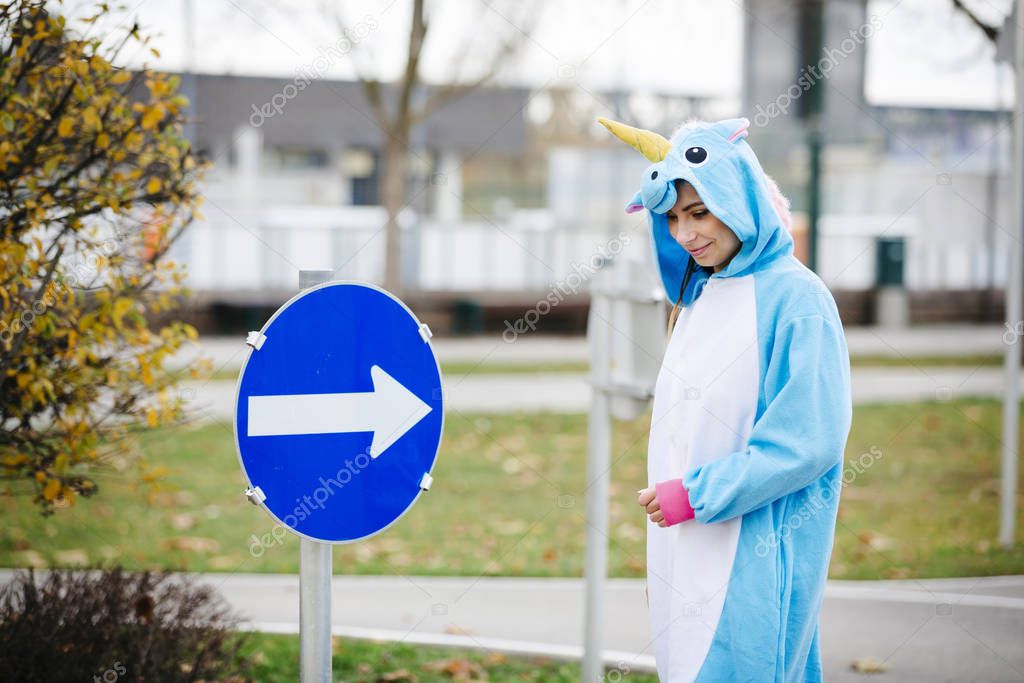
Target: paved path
[
  {"x": 569, "y": 392},
  {"x": 945, "y": 340},
  {"x": 930, "y": 630}
]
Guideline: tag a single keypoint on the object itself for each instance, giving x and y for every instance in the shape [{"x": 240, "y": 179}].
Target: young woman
[{"x": 751, "y": 414}]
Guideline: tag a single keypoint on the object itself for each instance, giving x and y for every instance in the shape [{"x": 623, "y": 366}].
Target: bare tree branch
[
  {"x": 991, "y": 32},
  {"x": 397, "y": 124}
]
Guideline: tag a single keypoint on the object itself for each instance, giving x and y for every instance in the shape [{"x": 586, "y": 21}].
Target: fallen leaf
[
  {"x": 192, "y": 544},
  {"x": 29, "y": 558},
  {"x": 183, "y": 522},
  {"x": 896, "y": 573},
  {"x": 76, "y": 557},
  {"x": 507, "y": 528},
  {"x": 224, "y": 562},
  {"x": 458, "y": 669},
  {"x": 868, "y": 665}
]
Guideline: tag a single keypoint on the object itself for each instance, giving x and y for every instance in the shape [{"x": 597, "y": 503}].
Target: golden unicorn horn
[{"x": 651, "y": 145}]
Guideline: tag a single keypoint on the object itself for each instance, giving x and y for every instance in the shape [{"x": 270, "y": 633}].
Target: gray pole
[
  {"x": 599, "y": 438},
  {"x": 1014, "y": 314},
  {"x": 314, "y": 577},
  {"x": 189, "y": 86}
]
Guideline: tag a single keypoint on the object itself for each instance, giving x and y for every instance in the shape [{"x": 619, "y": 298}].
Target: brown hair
[
  {"x": 691, "y": 265},
  {"x": 678, "y": 182},
  {"x": 674, "y": 314}
]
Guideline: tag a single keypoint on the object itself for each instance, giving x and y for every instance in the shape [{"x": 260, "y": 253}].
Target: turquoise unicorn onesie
[{"x": 751, "y": 414}]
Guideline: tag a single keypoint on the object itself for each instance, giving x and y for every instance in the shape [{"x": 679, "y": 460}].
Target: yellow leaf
[
  {"x": 13, "y": 459},
  {"x": 147, "y": 374},
  {"x": 66, "y": 127},
  {"x": 121, "y": 307},
  {"x": 52, "y": 489},
  {"x": 153, "y": 186},
  {"x": 152, "y": 117},
  {"x": 151, "y": 417},
  {"x": 90, "y": 118}
]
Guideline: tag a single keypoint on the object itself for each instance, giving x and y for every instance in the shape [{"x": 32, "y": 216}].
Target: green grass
[
  {"x": 926, "y": 507},
  {"x": 275, "y": 658},
  {"x": 450, "y": 369},
  {"x": 929, "y": 506}
]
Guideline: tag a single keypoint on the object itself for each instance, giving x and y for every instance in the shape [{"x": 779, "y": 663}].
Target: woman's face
[{"x": 707, "y": 239}]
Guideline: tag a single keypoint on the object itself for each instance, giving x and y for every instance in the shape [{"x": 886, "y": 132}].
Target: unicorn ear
[
  {"x": 732, "y": 129},
  {"x": 636, "y": 203}
]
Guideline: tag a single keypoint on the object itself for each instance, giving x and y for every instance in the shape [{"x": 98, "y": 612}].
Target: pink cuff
[{"x": 674, "y": 501}]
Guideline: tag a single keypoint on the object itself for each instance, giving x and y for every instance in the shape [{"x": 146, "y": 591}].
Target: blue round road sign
[{"x": 339, "y": 413}]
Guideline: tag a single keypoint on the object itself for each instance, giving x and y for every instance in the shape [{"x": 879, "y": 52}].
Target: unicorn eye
[{"x": 696, "y": 156}]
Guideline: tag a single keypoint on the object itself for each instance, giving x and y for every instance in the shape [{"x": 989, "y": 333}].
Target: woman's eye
[{"x": 700, "y": 214}]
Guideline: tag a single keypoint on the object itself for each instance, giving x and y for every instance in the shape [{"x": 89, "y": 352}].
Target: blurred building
[
  {"x": 512, "y": 194},
  {"x": 512, "y": 190},
  {"x": 932, "y": 182}
]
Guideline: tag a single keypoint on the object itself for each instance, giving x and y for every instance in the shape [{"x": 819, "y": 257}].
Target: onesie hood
[{"x": 716, "y": 159}]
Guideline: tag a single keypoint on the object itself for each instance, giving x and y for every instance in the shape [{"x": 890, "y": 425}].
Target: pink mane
[{"x": 780, "y": 203}]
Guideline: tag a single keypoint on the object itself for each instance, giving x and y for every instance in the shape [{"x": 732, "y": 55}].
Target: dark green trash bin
[
  {"x": 467, "y": 317},
  {"x": 890, "y": 255}
]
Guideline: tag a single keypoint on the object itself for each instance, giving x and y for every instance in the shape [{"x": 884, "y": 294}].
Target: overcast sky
[{"x": 924, "y": 53}]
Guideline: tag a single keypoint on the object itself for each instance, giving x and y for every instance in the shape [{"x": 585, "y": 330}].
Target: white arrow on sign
[{"x": 389, "y": 411}]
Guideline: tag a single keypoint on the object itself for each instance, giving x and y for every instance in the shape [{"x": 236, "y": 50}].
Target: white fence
[
  {"x": 232, "y": 252},
  {"x": 949, "y": 245}
]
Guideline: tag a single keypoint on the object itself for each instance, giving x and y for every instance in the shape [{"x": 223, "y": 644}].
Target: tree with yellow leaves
[{"x": 97, "y": 181}]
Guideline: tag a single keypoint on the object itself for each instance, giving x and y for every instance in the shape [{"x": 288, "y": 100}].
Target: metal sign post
[
  {"x": 599, "y": 437},
  {"x": 315, "y": 572},
  {"x": 314, "y": 611},
  {"x": 1014, "y": 297},
  {"x": 626, "y": 336},
  {"x": 338, "y": 421}
]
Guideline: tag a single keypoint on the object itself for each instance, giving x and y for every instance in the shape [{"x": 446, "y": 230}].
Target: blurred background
[
  {"x": 449, "y": 152},
  {"x": 886, "y": 123}
]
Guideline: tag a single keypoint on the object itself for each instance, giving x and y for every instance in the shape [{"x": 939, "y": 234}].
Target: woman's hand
[{"x": 649, "y": 501}]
